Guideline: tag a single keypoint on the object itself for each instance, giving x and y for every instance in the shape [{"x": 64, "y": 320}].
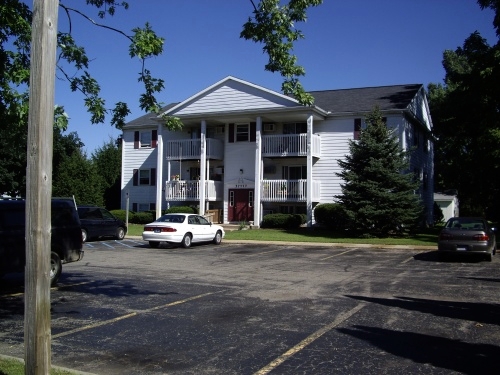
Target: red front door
[{"x": 240, "y": 205}]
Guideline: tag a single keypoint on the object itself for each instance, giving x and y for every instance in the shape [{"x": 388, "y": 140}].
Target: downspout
[
  {"x": 159, "y": 170},
  {"x": 203, "y": 163},
  {"x": 257, "y": 206},
  {"x": 309, "y": 167}
]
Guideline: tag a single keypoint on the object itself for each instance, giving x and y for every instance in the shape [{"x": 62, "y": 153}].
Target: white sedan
[{"x": 183, "y": 229}]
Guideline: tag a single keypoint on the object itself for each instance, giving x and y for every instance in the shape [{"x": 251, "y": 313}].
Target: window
[
  {"x": 231, "y": 199},
  {"x": 143, "y": 207},
  {"x": 297, "y": 172},
  {"x": 295, "y": 128},
  {"x": 242, "y": 133},
  {"x": 250, "y": 198},
  {"x": 145, "y": 139},
  {"x": 357, "y": 128},
  {"x": 144, "y": 177}
]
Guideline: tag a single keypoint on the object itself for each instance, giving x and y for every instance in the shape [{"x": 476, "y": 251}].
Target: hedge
[{"x": 285, "y": 221}]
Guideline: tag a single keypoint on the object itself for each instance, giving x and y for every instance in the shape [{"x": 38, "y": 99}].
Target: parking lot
[{"x": 266, "y": 309}]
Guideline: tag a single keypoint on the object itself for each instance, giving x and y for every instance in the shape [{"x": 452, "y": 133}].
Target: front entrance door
[{"x": 240, "y": 205}]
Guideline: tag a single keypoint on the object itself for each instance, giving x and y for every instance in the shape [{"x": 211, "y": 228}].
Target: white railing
[
  {"x": 188, "y": 149},
  {"x": 288, "y": 191},
  {"x": 290, "y": 145},
  {"x": 189, "y": 190}
]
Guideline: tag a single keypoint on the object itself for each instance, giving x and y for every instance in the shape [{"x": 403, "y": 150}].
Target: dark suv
[
  {"x": 98, "y": 222},
  {"x": 66, "y": 240}
]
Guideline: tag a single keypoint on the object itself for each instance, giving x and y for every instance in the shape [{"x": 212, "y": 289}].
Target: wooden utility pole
[{"x": 39, "y": 187}]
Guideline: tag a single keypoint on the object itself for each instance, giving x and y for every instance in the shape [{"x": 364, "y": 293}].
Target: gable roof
[{"x": 364, "y": 99}]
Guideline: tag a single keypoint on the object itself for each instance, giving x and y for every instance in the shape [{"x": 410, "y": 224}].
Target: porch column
[
  {"x": 159, "y": 171},
  {"x": 169, "y": 173},
  {"x": 258, "y": 173},
  {"x": 309, "y": 183},
  {"x": 203, "y": 163}
]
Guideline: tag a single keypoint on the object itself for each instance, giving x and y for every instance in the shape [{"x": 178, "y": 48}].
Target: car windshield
[
  {"x": 465, "y": 223},
  {"x": 171, "y": 219}
]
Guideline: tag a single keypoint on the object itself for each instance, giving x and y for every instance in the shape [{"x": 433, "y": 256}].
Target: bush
[
  {"x": 285, "y": 221},
  {"x": 181, "y": 210},
  {"x": 143, "y": 217},
  {"x": 121, "y": 214},
  {"x": 331, "y": 215}
]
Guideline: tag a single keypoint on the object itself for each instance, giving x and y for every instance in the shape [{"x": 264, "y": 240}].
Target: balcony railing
[
  {"x": 189, "y": 190},
  {"x": 290, "y": 145},
  {"x": 288, "y": 191},
  {"x": 190, "y": 149}
]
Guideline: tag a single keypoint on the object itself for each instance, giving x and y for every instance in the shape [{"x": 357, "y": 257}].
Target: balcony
[
  {"x": 188, "y": 190},
  {"x": 190, "y": 149},
  {"x": 288, "y": 191},
  {"x": 282, "y": 145}
]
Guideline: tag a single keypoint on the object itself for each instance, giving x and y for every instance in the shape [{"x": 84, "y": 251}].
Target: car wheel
[
  {"x": 218, "y": 238},
  {"x": 186, "y": 241},
  {"x": 154, "y": 244},
  {"x": 495, "y": 248},
  {"x": 85, "y": 236},
  {"x": 120, "y": 233},
  {"x": 55, "y": 268},
  {"x": 489, "y": 257}
]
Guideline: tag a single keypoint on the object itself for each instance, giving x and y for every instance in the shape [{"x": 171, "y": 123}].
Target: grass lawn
[
  {"x": 15, "y": 367},
  {"x": 427, "y": 237}
]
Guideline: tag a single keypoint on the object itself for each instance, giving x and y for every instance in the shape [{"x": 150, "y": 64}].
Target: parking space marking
[
  {"x": 267, "y": 252},
  {"x": 336, "y": 255},
  {"x": 52, "y": 288},
  {"x": 136, "y": 313},
  {"x": 308, "y": 340}
]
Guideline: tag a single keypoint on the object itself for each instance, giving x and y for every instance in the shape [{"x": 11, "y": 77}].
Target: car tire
[
  {"x": 218, "y": 238},
  {"x": 55, "y": 268},
  {"x": 186, "y": 241},
  {"x": 154, "y": 244},
  {"x": 85, "y": 236},
  {"x": 120, "y": 233},
  {"x": 489, "y": 257}
]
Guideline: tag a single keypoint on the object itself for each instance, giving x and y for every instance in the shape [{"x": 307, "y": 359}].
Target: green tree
[
  {"x": 273, "y": 23},
  {"x": 467, "y": 123},
  {"x": 378, "y": 197},
  {"x": 77, "y": 177},
  {"x": 107, "y": 161}
]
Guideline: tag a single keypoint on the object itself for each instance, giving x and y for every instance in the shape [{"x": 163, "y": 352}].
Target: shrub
[
  {"x": 331, "y": 215},
  {"x": 143, "y": 217},
  {"x": 285, "y": 221},
  {"x": 121, "y": 214},
  {"x": 181, "y": 210}
]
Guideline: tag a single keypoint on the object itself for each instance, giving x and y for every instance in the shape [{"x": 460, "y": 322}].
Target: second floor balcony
[
  {"x": 288, "y": 191},
  {"x": 189, "y": 190},
  {"x": 281, "y": 145},
  {"x": 190, "y": 149}
]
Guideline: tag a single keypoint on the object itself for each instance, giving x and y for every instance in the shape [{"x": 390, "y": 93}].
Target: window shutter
[
  {"x": 136, "y": 139},
  {"x": 357, "y": 128},
  {"x": 135, "y": 177},
  {"x": 134, "y": 207},
  {"x": 253, "y": 131},
  {"x": 231, "y": 133},
  {"x": 154, "y": 139},
  {"x": 153, "y": 177}
]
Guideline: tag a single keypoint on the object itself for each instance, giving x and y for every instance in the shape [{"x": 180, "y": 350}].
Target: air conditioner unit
[{"x": 269, "y": 127}]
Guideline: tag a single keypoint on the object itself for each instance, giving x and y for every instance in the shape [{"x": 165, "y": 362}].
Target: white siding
[{"x": 232, "y": 96}]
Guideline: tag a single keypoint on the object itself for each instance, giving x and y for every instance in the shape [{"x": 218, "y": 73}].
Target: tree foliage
[
  {"x": 377, "y": 196},
  {"x": 273, "y": 25},
  {"x": 107, "y": 161},
  {"x": 466, "y": 118}
]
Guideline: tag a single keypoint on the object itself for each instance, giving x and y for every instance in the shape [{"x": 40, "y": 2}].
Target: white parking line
[
  {"x": 110, "y": 321},
  {"x": 308, "y": 340},
  {"x": 336, "y": 255}
]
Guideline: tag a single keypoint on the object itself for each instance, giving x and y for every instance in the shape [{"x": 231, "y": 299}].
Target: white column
[
  {"x": 159, "y": 170},
  {"x": 309, "y": 184},
  {"x": 169, "y": 173},
  {"x": 203, "y": 163},
  {"x": 258, "y": 173}
]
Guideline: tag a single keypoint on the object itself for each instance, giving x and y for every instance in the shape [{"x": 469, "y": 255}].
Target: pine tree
[{"x": 377, "y": 195}]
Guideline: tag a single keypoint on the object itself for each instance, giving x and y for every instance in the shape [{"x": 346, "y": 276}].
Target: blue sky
[{"x": 348, "y": 43}]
